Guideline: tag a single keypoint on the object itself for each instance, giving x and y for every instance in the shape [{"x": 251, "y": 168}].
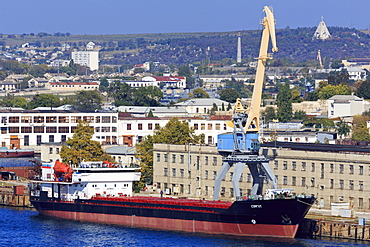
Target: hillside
[{"x": 295, "y": 46}]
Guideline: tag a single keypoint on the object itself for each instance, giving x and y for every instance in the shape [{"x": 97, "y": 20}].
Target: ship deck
[{"x": 167, "y": 201}]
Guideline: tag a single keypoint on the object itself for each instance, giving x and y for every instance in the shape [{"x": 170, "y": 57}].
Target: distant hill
[{"x": 295, "y": 46}]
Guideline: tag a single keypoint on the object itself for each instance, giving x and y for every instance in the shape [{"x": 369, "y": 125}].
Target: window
[
  {"x": 249, "y": 177},
  {"x": 231, "y": 192},
  {"x": 303, "y": 166},
  {"x": 157, "y": 126},
  {"x": 206, "y": 160},
  {"x": 173, "y": 158},
  {"x": 97, "y": 119},
  {"x": 351, "y": 185},
  {"x": 182, "y": 159},
  {"x": 165, "y": 156},
  {"x": 158, "y": 157},
  {"x": 128, "y": 126},
  {"x": 51, "y": 119},
  {"x": 322, "y": 170},
  {"x": 26, "y": 129},
  {"x": 209, "y": 126},
  {"x": 351, "y": 169},
  {"x": 312, "y": 167},
  {"x": 114, "y": 119},
  {"x": 285, "y": 165},
  {"x": 63, "y": 138},
  {"x": 26, "y": 119},
  {"x": 217, "y": 126},
  {"x": 312, "y": 182},
  {"x": 341, "y": 168},
  {"x": 105, "y": 119},
  {"x": 202, "y": 126},
  {"x": 114, "y": 129},
  {"x": 63, "y": 129},
  {"x": 341, "y": 184},
  {"x": 38, "y": 140},
  {"x": 26, "y": 140},
  {"x": 13, "y": 129},
  {"x": 75, "y": 119},
  {"x": 182, "y": 173},
  {"x": 89, "y": 119},
  {"x": 195, "y": 126},
  {"x": 303, "y": 181},
  {"x": 361, "y": 185},
  {"x": 165, "y": 172},
  {"x": 361, "y": 170},
  {"x": 150, "y": 126},
  {"x": 105, "y": 129},
  {"x": 331, "y": 168},
  {"x": 50, "y": 150},
  {"x": 140, "y": 126},
  {"x": 51, "y": 138},
  {"x": 38, "y": 119},
  {"x": 13, "y": 119},
  {"x": 231, "y": 176},
  {"x": 57, "y": 150},
  {"x": 331, "y": 183},
  {"x": 173, "y": 172},
  {"x": 214, "y": 161},
  {"x": 205, "y": 174},
  {"x": 214, "y": 175},
  {"x": 38, "y": 129},
  {"x": 294, "y": 165},
  {"x": 294, "y": 181},
  {"x": 63, "y": 119},
  {"x": 285, "y": 180},
  {"x": 360, "y": 202},
  {"x": 51, "y": 129}
]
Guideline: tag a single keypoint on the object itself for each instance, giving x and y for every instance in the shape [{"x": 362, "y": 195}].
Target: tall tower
[
  {"x": 239, "y": 51},
  {"x": 322, "y": 31}
]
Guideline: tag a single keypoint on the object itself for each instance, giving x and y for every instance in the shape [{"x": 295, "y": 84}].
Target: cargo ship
[{"x": 102, "y": 192}]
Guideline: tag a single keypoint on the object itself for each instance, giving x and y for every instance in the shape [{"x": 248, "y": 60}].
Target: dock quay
[
  {"x": 341, "y": 230},
  {"x": 14, "y": 194}
]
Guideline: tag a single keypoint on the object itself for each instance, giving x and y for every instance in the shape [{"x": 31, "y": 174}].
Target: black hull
[{"x": 273, "y": 213}]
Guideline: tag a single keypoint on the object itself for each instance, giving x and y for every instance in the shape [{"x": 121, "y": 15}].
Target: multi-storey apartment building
[
  {"x": 341, "y": 175},
  {"x": 86, "y": 58},
  {"x": 30, "y": 128}
]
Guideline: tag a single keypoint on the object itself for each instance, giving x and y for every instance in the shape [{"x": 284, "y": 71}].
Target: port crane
[{"x": 241, "y": 147}]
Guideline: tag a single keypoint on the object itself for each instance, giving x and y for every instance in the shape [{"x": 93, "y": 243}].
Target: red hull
[
  {"x": 264, "y": 230},
  {"x": 16, "y": 153}
]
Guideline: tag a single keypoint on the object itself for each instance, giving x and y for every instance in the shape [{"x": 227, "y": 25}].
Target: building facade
[
  {"x": 86, "y": 58},
  {"x": 190, "y": 170}
]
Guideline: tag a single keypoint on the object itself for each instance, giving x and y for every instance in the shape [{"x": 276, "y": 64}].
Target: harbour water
[{"x": 25, "y": 227}]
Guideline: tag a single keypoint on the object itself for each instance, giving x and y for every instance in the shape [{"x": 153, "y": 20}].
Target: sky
[{"x": 173, "y": 16}]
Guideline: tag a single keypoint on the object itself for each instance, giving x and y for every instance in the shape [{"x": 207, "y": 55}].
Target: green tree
[
  {"x": 11, "y": 101},
  {"x": 296, "y": 96},
  {"x": 300, "y": 115},
  {"x": 44, "y": 100},
  {"x": 187, "y": 73},
  {"x": 121, "y": 92},
  {"x": 81, "y": 148},
  {"x": 284, "y": 103},
  {"x": 336, "y": 64},
  {"x": 88, "y": 101},
  {"x": 360, "y": 130},
  {"x": 174, "y": 132},
  {"x": 343, "y": 128},
  {"x": 269, "y": 114},
  {"x": 200, "y": 93},
  {"x": 24, "y": 83},
  {"x": 146, "y": 96},
  {"x": 229, "y": 94},
  {"x": 38, "y": 70},
  {"x": 329, "y": 91},
  {"x": 104, "y": 84},
  {"x": 364, "y": 90}
]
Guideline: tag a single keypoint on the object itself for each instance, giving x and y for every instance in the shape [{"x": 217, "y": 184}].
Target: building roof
[
  {"x": 203, "y": 102},
  {"x": 122, "y": 150},
  {"x": 341, "y": 98}
]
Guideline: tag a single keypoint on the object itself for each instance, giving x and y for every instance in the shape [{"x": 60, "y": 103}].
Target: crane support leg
[
  {"x": 270, "y": 174},
  {"x": 257, "y": 179},
  {"x": 221, "y": 175},
  {"x": 238, "y": 170}
]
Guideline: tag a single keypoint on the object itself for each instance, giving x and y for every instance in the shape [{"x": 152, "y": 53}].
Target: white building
[
  {"x": 202, "y": 106},
  {"x": 86, "y": 58},
  {"x": 346, "y": 106}
]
